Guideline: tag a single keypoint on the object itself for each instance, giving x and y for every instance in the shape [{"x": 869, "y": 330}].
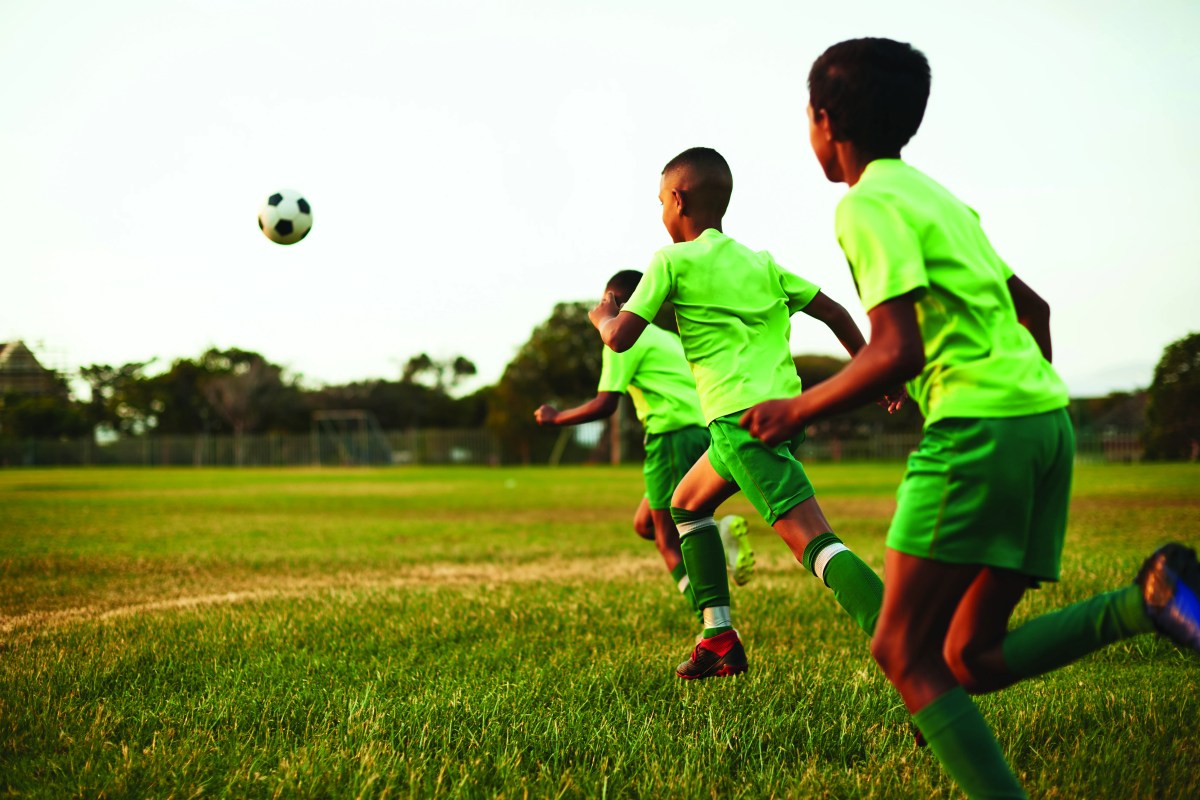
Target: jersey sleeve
[
  {"x": 798, "y": 291},
  {"x": 884, "y": 251},
  {"x": 617, "y": 369},
  {"x": 653, "y": 289}
]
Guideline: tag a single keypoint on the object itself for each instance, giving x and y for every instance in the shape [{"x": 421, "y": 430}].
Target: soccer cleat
[
  {"x": 715, "y": 657},
  {"x": 1170, "y": 583},
  {"x": 738, "y": 554}
]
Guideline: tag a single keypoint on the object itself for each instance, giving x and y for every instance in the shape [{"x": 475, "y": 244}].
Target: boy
[
  {"x": 733, "y": 307},
  {"x": 656, "y": 376},
  {"x": 982, "y": 508}
]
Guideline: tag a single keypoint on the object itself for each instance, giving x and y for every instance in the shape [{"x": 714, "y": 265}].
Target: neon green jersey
[
  {"x": 656, "y": 376},
  {"x": 902, "y": 233},
  {"x": 734, "y": 308}
]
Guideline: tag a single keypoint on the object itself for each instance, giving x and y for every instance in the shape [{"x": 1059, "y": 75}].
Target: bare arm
[
  {"x": 619, "y": 329},
  {"x": 838, "y": 320},
  {"x": 1033, "y": 312},
  {"x": 601, "y": 406},
  {"x": 895, "y": 353}
]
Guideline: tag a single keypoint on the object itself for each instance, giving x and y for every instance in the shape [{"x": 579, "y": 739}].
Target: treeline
[
  {"x": 237, "y": 392},
  {"x": 241, "y": 392}
]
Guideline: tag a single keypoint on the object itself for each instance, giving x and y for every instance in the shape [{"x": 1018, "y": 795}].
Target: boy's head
[
  {"x": 695, "y": 186},
  {"x": 622, "y": 284},
  {"x": 872, "y": 92}
]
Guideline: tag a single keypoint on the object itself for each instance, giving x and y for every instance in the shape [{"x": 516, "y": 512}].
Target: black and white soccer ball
[{"x": 285, "y": 217}]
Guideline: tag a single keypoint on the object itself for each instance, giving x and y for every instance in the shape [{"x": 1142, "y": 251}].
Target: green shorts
[
  {"x": 989, "y": 491},
  {"x": 770, "y": 477},
  {"x": 669, "y": 456}
]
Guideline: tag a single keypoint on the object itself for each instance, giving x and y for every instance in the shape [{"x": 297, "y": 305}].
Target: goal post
[{"x": 349, "y": 437}]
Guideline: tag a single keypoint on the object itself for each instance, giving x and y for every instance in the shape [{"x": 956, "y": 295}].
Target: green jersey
[
  {"x": 656, "y": 376},
  {"x": 733, "y": 306},
  {"x": 903, "y": 233}
]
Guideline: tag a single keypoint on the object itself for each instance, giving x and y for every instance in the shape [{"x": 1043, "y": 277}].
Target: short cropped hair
[
  {"x": 712, "y": 173},
  {"x": 625, "y": 281},
  {"x": 703, "y": 160},
  {"x": 873, "y": 90}
]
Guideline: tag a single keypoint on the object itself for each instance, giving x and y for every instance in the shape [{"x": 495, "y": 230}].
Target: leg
[
  {"x": 702, "y": 489},
  {"x": 985, "y": 656},
  {"x": 643, "y": 525},
  {"x": 800, "y": 524},
  {"x": 810, "y": 537},
  {"x": 973, "y": 646},
  {"x": 700, "y": 492},
  {"x": 666, "y": 537},
  {"x": 920, "y": 602}
]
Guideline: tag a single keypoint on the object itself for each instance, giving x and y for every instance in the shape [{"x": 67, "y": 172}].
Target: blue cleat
[{"x": 1170, "y": 583}]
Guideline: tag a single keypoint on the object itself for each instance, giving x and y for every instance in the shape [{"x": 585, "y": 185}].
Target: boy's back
[
  {"x": 733, "y": 306},
  {"x": 655, "y": 375},
  {"x": 904, "y": 232}
]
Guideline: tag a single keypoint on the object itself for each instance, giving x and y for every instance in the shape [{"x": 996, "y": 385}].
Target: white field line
[{"x": 550, "y": 570}]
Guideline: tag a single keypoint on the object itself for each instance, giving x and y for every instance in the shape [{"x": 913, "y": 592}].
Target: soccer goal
[{"x": 349, "y": 437}]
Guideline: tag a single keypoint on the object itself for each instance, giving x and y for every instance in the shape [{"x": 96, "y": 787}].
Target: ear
[
  {"x": 821, "y": 121},
  {"x": 679, "y": 199}
]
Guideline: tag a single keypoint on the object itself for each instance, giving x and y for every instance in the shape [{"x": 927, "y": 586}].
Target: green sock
[
  {"x": 963, "y": 742},
  {"x": 1052, "y": 640},
  {"x": 855, "y": 586},
  {"x": 704, "y": 560},
  {"x": 679, "y": 575}
]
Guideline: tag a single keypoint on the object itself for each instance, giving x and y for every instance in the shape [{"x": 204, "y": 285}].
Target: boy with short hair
[
  {"x": 733, "y": 307},
  {"x": 982, "y": 508},
  {"x": 655, "y": 375}
]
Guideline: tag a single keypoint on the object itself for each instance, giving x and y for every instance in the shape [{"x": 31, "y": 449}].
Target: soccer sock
[
  {"x": 704, "y": 560},
  {"x": 855, "y": 585},
  {"x": 680, "y": 576},
  {"x": 1052, "y": 640},
  {"x": 961, "y": 739}
]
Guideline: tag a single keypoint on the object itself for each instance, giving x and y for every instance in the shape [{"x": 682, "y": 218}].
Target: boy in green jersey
[
  {"x": 734, "y": 306},
  {"x": 982, "y": 508},
  {"x": 656, "y": 376}
]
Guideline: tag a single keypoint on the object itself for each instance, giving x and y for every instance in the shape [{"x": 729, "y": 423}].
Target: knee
[
  {"x": 643, "y": 526},
  {"x": 971, "y": 667},
  {"x": 889, "y": 653}
]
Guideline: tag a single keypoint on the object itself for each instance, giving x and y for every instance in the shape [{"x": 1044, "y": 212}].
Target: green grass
[{"x": 502, "y": 633}]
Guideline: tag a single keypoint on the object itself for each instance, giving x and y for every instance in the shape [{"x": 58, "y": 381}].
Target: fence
[
  {"x": 426, "y": 447},
  {"x": 267, "y": 450}
]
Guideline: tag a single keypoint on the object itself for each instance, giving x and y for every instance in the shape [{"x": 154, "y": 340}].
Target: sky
[{"x": 470, "y": 164}]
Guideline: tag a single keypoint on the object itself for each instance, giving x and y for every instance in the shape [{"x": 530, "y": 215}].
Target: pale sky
[{"x": 469, "y": 164}]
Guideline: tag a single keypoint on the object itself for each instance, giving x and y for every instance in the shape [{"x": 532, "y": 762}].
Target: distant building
[{"x": 22, "y": 374}]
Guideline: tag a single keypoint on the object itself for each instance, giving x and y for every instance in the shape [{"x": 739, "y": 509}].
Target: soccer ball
[{"x": 285, "y": 217}]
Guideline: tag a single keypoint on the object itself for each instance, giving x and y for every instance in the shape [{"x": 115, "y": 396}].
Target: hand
[
  {"x": 893, "y": 399},
  {"x": 773, "y": 421},
  {"x": 605, "y": 310},
  {"x": 545, "y": 415}
]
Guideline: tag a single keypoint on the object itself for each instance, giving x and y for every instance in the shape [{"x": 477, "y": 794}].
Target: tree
[
  {"x": 560, "y": 363},
  {"x": 245, "y": 389},
  {"x": 42, "y": 416},
  {"x": 1173, "y": 407},
  {"x": 114, "y": 401},
  {"x": 445, "y": 374}
]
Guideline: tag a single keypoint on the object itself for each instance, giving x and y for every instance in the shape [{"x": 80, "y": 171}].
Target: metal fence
[
  {"x": 479, "y": 446},
  {"x": 361, "y": 448}
]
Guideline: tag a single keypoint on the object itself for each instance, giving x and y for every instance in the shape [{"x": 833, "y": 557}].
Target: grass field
[{"x": 502, "y": 633}]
